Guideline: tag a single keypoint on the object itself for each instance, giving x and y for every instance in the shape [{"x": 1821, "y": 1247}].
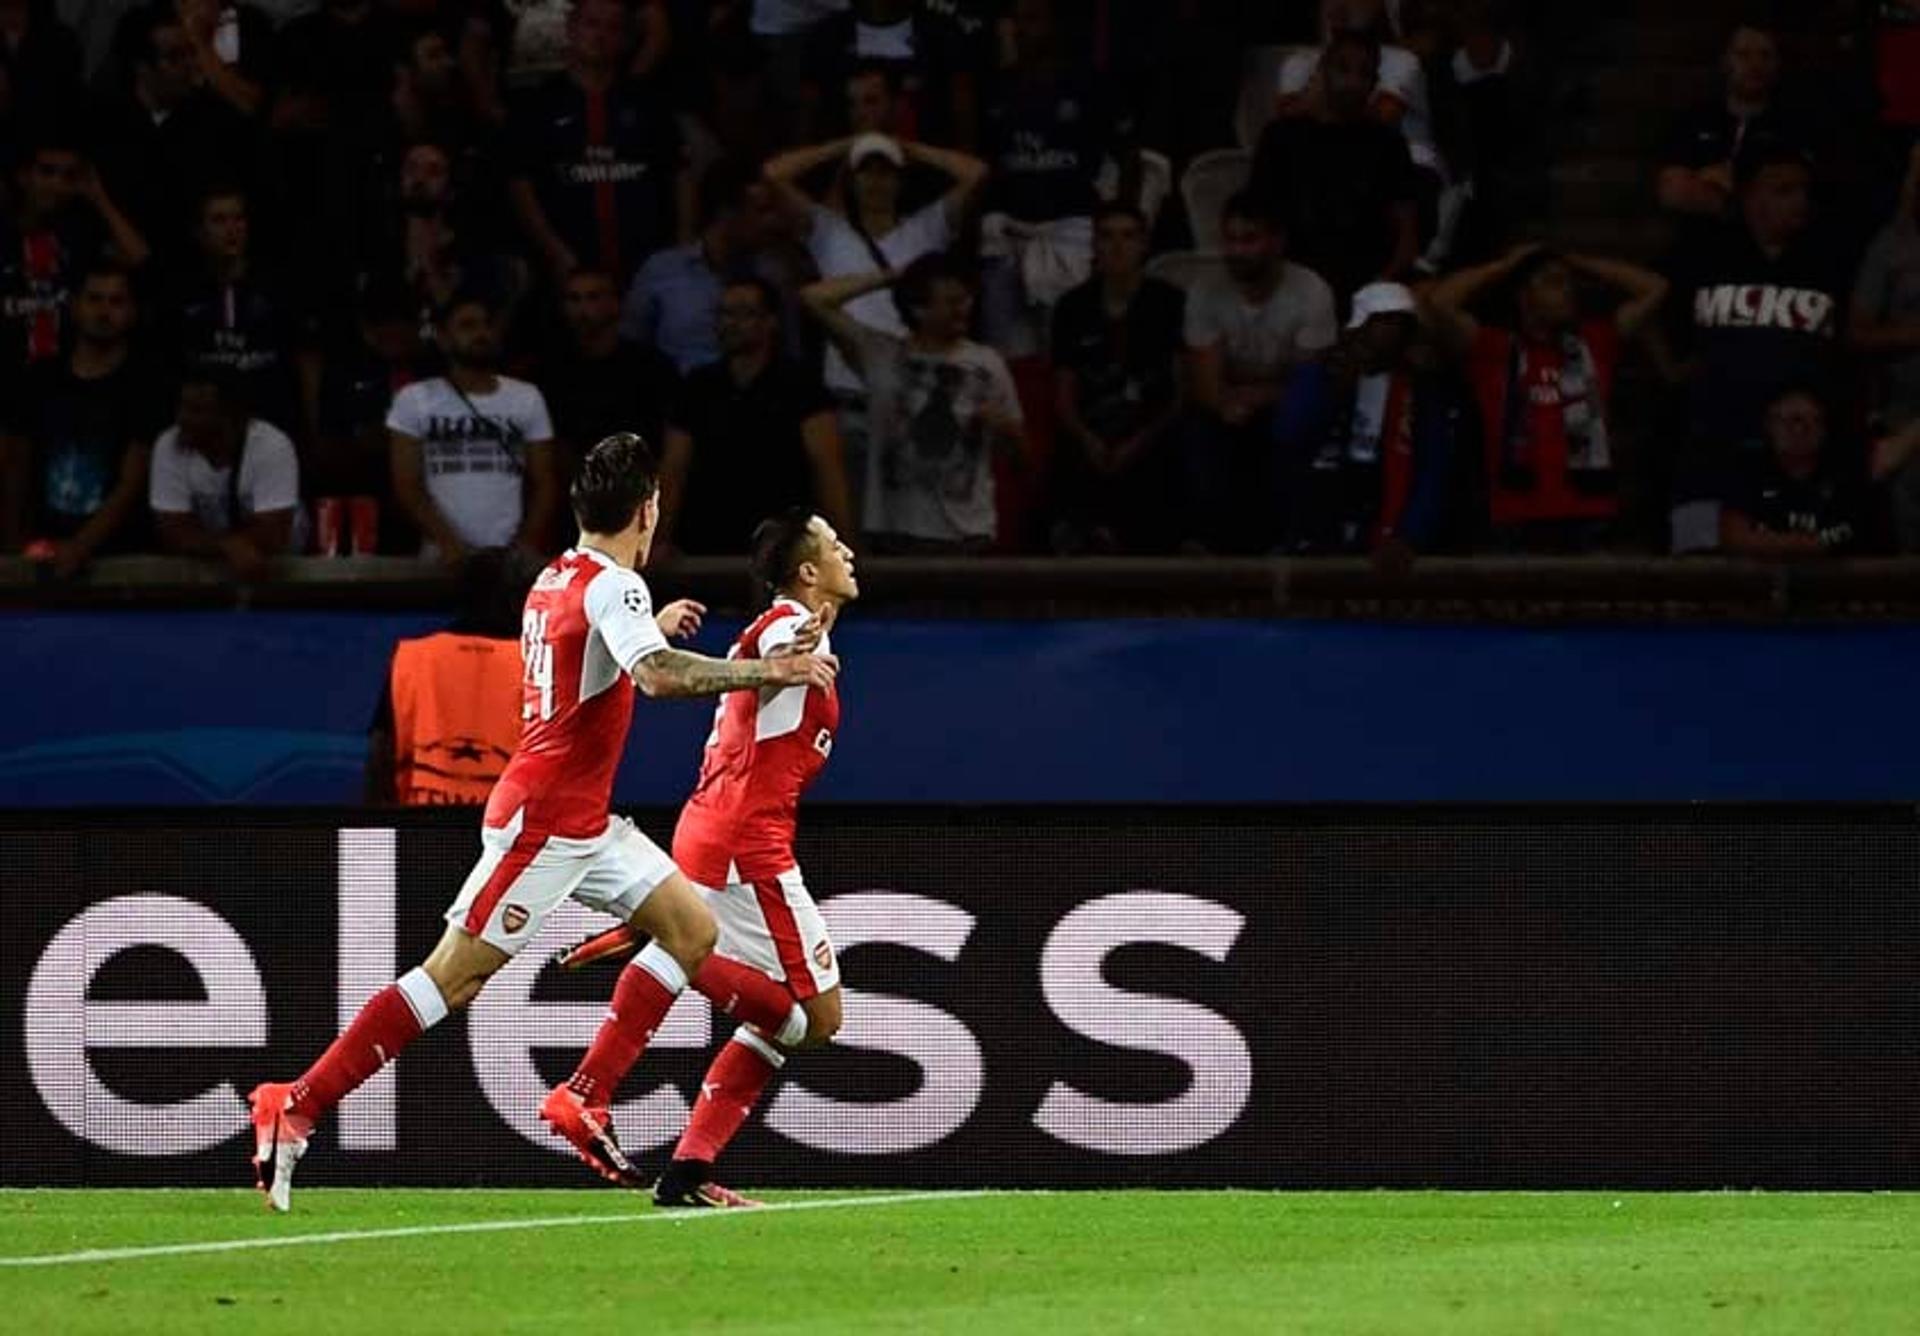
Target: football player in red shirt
[
  {"x": 735, "y": 841},
  {"x": 589, "y": 636}
]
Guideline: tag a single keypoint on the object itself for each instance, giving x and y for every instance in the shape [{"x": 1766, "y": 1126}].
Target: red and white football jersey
[
  {"x": 738, "y": 826},
  {"x": 588, "y": 619}
]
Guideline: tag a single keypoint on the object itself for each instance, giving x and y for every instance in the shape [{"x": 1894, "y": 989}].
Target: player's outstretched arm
[{"x": 675, "y": 673}]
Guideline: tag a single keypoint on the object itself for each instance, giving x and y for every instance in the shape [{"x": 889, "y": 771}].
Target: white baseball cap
[
  {"x": 1380, "y": 299},
  {"x": 872, "y": 145}
]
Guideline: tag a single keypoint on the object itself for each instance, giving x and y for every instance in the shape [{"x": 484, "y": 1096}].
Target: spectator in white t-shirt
[
  {"x": 473, "y": 458},
  {"x": 864, "y": 232},
  {"x": 1246, "y": 331},
  {"x": 940, "y": 408},
  {"x": 224, "y": 484},
  {"x": 867, "y": 232}
]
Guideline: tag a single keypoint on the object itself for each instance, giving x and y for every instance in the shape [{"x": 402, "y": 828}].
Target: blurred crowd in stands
[{"x": 1067, "y": 276}]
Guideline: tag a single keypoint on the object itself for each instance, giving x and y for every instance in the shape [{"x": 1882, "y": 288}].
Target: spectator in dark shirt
[
  {"x": 1792, "y": 500},
  {"x": 429, "y": 244},
  {"x": 78, "y": 432},
  {"x": 61, "y": 220},
  {"x": 431, "y": 99},
  {"x": 1046, "y": 130},
  {"x": 328, "y": 119},
  {"x": 166, "y": 139},
  {"x": 672, "y": 303},
  {"x": 599, "y": 172},
  {"x": 1884, "y": 324},
  {"x": 599, "y": 383},
  {"x": 1759, "y": 303},
  {"x": 39, "y": 64},
  {"x": 1367, "y": 437},
  {"x": 434, "y": 103},
  {"x": 750, "y": 435},
  {"x": 1342, "y": 180},
  {"x": 1116, "y": 354},
  {"x": 366, "y": 364},
  {"x": 1697, "y": 175},
  {"x": 922, "y": 50},
  {"x": 1543, "y": 387},
  {"x": 336, "y": 70},
  {"x": 229, "y": 313},
  {"x": 873, "y": 100}
]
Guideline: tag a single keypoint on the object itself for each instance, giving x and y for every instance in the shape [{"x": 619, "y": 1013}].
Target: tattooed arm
[{"x": 668, "y": 673}]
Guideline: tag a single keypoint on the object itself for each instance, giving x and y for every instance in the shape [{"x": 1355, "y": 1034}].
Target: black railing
[{"x": 1637, "y": 589}]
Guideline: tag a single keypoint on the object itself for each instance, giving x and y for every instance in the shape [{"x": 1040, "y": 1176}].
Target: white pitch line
[{"x": 475, "y": 1227}]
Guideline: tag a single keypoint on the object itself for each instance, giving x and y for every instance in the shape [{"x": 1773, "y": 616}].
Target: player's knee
[
  {"x": 457, "y": 987},
  {"x": 703, "y": 936},
  {"x": 690, "y": 939},
  {"x": 460, "y": 966}
]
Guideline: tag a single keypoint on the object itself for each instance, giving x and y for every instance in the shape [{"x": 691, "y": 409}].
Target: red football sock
[
  {"x": 745, "y": 994},
  {"x": 640, "y": 1002},
  {"x": 728, "y": 1092},
  {"x": 384, "y": 1027}
]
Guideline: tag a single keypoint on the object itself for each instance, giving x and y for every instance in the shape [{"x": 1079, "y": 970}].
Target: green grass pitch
[{"x": 1001, "y": 1264}]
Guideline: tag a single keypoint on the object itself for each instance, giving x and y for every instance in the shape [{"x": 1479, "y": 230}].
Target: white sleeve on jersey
[
  {"x": 620, "y": 609},
  {"x": 781, "y": 632},
  {"x": 781, "y": 712}
]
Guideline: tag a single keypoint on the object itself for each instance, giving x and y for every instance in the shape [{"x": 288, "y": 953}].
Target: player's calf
[{"x": 283, "y": 1113}]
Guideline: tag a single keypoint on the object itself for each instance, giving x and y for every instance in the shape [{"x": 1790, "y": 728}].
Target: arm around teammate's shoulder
[{"x": 677, "y": 673}]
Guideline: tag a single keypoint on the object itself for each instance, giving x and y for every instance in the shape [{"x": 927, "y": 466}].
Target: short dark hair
[
  {"x": 1544, "y": 258},
  {"x": 464, "y": 297},
  {"x": 593, "y": 271},
  {"x": 915, "y": 286},
  {"x": 769, "y": 294},
  {"x": 223, "y": 189},
  {"x": 613, "y": 482},
  {"x": 406, "y": 41},
  {"x": 103, "y": 266},
  {"x": 1119, "y": 208},
  {"x": 133, "y": 36},
  {"x": 227, "y": 386},
  {"x": 1759, "y": 18},
  {"x": 1251, "y": 207},
  {"x": 779, "y": 546},
  {"x": 1799, "y": 389}
]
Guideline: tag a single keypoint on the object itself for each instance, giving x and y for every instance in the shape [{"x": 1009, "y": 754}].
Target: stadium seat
[
  {"x": 1184, "y": 269},
  {"x": 1210, "y": 180},
  {"x": 1156, "y": 183}
]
